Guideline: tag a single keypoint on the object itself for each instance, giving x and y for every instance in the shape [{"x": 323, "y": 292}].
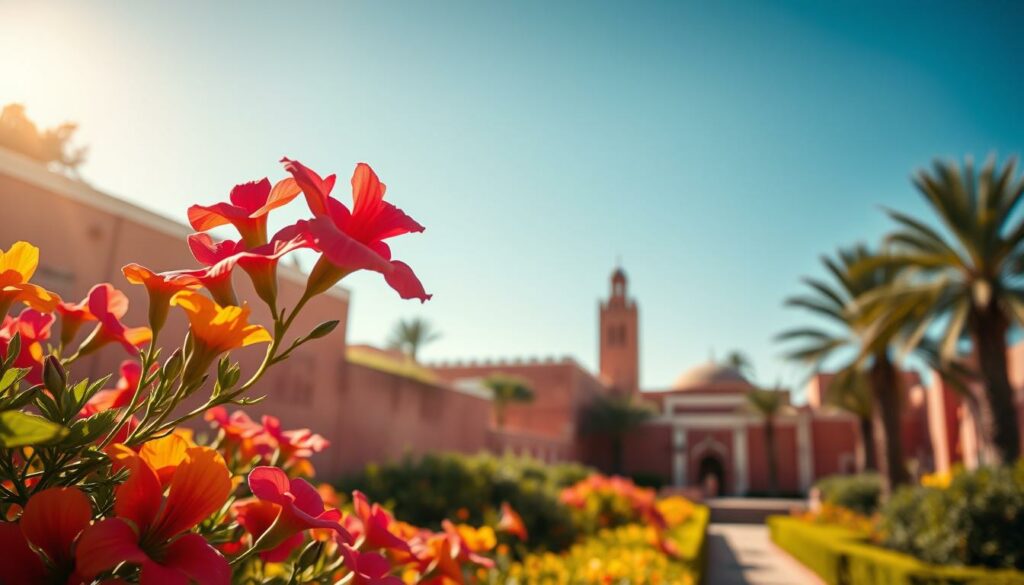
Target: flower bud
[
  {"x": 323, "y": 329},
  {"x": 172, "y": 367},
  {"x": 54, "y": 377}
]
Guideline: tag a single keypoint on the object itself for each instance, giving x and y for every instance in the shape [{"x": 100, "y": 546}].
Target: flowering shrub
[
  {"x": 632, "y": 553},
  {"x": 471, "y": 488},
  {"x": 601, "y": 501},
  {"x": 973, "y": 518},
  {"x": 99, "y": 483}
]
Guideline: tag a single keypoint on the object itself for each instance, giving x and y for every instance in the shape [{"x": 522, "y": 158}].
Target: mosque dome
[{"x": 712, "y": 376}]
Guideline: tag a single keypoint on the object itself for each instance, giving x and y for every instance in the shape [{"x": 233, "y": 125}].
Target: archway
[{"x": 711, "y": 476}]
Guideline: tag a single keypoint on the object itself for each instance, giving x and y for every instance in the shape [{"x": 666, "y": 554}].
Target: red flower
[
  {"x": 511, "y": 522},
  {"x": 375, "y": 525},
  {"x": 250, "y": 204},
  {"x": 120, "y": 395},
  {"x": 240, "y": 433},
  {"x": 74, "y": 315},
  {"x": 354, "y": 240},
  {"x": 108, "y": 305},
  {"x": 154, "y": 531},
  {"x": 368, "y": 568},
  {"x": 300, "y": 507},
  {"x": 33, "y": 328},
  {"x": 260, "y": 262},
  {"x": 52, "y": 520},
  {"x": 295, "y": 444},
  {"x": 257, "y": 516}
]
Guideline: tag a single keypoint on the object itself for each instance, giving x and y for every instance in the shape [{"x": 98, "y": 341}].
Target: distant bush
[
  {"x": 977, "y": 520},
  {"x": 860, "y": 493},
  {"x": 471, "y": 488}
]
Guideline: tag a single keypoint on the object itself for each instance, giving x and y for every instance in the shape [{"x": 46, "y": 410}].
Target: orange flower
[
  {"x": 154, "y": 531},
  {"x": 17, "y": 265},
  {"x": 161, "y": 286}
]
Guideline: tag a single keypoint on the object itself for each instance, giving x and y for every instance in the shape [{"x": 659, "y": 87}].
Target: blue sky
[{"x": 717, "y": 148}]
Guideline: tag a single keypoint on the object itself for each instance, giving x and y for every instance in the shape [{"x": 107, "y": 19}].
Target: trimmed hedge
[
  {"x": 861, "y": 493},
  {"x": 692, "y": 541},
  {"x": 844, "y": 557}
]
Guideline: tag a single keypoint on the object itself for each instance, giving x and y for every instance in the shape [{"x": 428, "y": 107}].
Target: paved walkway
[{"x": 742, "y": 554}]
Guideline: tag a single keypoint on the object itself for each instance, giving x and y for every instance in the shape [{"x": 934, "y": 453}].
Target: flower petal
[
  {"x": 316, "y": 189},
  {"x": 198, "y": 488},
  {"x": 139, "y": 498},
  {"x": 19, "y": 565},
  {"x": 193, "y": 556},
  {"x": 404, "y": 281},
  {"x": 52, "y": 520},
  {"x": 105, "y": 545}
]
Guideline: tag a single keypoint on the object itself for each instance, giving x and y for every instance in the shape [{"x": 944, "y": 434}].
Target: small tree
[
  {"x": 410, "y": 335},
  {"x": 50, "y": 146},
  {"x": 506, "y": 390},
  {"x": 615, "y": 416}
]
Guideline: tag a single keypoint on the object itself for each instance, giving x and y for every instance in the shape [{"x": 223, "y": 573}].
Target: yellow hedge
[{"x": 843, "y": 557}]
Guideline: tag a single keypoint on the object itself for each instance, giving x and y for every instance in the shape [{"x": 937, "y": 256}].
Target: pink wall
[{"x": 85, "y": 237}]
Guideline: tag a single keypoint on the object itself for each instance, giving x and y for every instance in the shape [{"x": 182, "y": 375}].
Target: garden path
[{"x": 742, "y": 554}]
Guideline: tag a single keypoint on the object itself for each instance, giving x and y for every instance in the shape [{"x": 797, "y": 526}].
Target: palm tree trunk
[
  {"x": 867, "y": 437},
  {"x": 769, "y": 445},
  {"x": 998, "y": 424},
  {"x": 886, "y": 415}
]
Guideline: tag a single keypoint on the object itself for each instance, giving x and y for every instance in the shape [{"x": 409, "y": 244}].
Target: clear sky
[{"x": 716, "y": 147}]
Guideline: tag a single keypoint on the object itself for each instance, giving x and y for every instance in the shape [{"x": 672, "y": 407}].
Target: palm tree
[
  {"x": 740, "y": 362},
  {"x": 967, "y": 275},
  {"x": 615, "y": 416},
  {"x": 768, "y": 404},
  {"x": 850, "y": 390},
  {"x": 868, "y": 346},
  {"x": 505, "y": 390},
  {"x": 410, "y": 335}
]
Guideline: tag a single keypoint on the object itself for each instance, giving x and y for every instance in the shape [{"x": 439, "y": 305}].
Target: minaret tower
[{"x": 619, "y": 338}]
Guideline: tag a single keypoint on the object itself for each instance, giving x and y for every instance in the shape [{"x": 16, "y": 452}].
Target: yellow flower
[
  {"x": 217, "y": 328},
  {"x": 17, "y": 266},
  {"x": 937, "y": 480},
  {"x": 478, "y": 539}
]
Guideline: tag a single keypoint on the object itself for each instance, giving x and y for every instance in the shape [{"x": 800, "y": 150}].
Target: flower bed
[{"x": 843, "y": 556}]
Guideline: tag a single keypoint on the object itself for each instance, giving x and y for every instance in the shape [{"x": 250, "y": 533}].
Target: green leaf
[
  {"x": 19, "y": 428},
  {"x": 11, "y": 377},
  {"x": 86, "y": 430}
]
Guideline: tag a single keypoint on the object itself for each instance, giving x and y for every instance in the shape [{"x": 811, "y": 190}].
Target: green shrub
[
  {"x": 470, "y": 488},
  {"x": 860, "y": 493},
  {"x": 843, "y": 557},
  {"x": 977, "y": 521}
]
